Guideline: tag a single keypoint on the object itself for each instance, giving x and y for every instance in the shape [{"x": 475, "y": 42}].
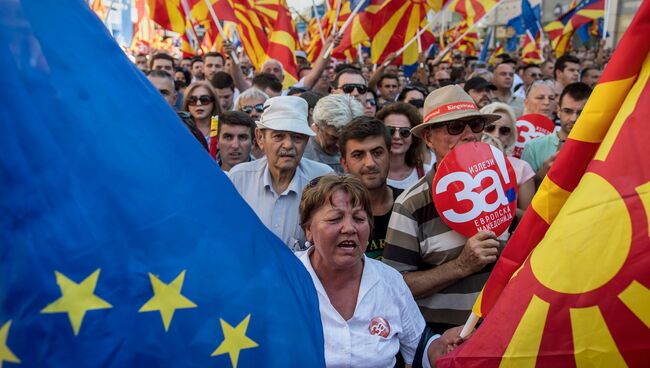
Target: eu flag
[{"x": 121, "y": 242}]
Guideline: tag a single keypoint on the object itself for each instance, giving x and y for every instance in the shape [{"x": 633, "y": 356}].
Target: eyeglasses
[
  {"x": 456, "y": 127},
  {"x": 537, "y": 75},
  {"x": 348, "y": 88},
  {"x": 417, "y": 102},
  {"x": 503, "y": 130},
  {"x": 248, "y": 109},
  {"x": 204, "y": 100},
  {"x": 371, "y": 102},
  {"x": 403, "y": 132},
  {"x": 568, "y": 111}
]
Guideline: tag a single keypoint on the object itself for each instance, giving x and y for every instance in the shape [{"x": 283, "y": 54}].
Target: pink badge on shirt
[
  {"x": 379, "y": 326},
  {"x": 529, "y": 127},
  {"x": 474, "y": 189}
]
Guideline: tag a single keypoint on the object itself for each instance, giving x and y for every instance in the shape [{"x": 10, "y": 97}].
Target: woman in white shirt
[{"x": 367, "y": 311}]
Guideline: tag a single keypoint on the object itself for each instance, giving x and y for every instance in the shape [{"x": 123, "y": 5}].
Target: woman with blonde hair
[
  {"x": 201, "y": 102},
  {"x": 503, "y": 134}
]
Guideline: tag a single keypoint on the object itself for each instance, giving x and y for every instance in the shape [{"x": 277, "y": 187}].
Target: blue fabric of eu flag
[{"x": 121, "y": 242}]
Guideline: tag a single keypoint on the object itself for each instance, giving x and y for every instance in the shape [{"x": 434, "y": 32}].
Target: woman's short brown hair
[
  {"x": 415, "y": 153},
  {"x": 216, "y": 108},
  {"x": 321, "y": 189}
]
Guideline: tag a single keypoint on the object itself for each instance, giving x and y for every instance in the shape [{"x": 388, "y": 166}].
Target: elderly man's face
[
  {"x": 437, "y": 138},
  {"x": 283, "y": 149},
  {"x": 275, "y": 69},
  {"x": 327, "y": 138}
]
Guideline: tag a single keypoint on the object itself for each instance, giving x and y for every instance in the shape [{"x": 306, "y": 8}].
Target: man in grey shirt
[{"x": 273, "y": 185}]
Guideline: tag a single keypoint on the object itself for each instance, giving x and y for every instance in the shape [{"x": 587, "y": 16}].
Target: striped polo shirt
[{"x": 417, "y": 240}]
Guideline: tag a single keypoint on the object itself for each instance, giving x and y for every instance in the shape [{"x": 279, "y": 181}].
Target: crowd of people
[{"x": 340, "y": 167}]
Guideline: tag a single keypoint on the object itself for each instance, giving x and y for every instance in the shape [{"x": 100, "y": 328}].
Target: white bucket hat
[{"x": 286, "y": 113}]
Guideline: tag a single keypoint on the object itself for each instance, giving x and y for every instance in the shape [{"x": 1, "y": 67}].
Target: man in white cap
[
  {"x": 273, "y": 185},
  {"x": 444, "y": 270}
]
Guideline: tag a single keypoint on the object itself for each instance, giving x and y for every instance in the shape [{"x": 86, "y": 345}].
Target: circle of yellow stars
[{"x": 77, "y": 299}]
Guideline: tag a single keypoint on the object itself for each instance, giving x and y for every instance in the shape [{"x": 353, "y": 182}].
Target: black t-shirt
[{"x": 377, "y": 239}]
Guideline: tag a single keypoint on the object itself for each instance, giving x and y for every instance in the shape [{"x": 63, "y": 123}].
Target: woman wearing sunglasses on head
[
  {"x": 201, "y": 102},
  {"x": 406, "y": 150},
  {"x": 503, "y": 132}
]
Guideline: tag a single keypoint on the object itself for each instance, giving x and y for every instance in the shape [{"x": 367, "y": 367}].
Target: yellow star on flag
[
  {"x": 6, "y": 355},
  {"x": 234, "y": 340},
  {"x": 167, "y": 298},
  {"x": 76, "y": 299}
]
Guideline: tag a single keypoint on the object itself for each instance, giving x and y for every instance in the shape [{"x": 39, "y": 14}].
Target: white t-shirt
[
  {"x": 386, "y": 319},
  {"x": 411, "y": 179}
]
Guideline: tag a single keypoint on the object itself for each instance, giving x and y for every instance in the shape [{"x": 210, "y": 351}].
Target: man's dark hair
[
  {"x": 414, "y": 86},
  {"x": 267, "y": 80},
  {"x": 531, "y": 65},
  {"x": 163, "y": 56},
  {"x": 339, "y": 73},
  {"x": 196, "y": 59},
  {"x": 161, "y": 74},
  {"x": 578, "y": 91},
  {"x": 561, "y": 62},
  {"x": 214, "y": 54},
  {"x": 587, "y": 70},
  {"x": 361, "y": 128},
  {"x": 236, "y": 118},
  {"x": 344, "y": 66},
  {"x": 222, "y": 80},
  {"x": 311, "y": 97},
  {"x": 415, "y": 152},
  {"x": 387, "y": 76}
]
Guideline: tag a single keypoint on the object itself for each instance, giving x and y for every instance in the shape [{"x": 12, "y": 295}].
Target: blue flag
[
  {"x": 484, "y": 51},
  {"x": 121, "y": 242},
  {"x": 530, "y": 18}
]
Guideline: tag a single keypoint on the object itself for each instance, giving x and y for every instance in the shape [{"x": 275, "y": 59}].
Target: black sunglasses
[
  {"x": 417, "y": 102},
  {"x": 204, "y": 99},
  {"x": 248, "y": 109},
  {"x": 403, "y": 132},
  {"x": 456, "y": 127},
  {"x": 348, "y": 88},
  {"x": 503, "y": 130}
]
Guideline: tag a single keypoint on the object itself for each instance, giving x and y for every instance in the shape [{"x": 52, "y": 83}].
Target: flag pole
[
  {"x": 336, "y": 16},
  {"x": 419, "y": 42},
  {"x": 606, "y": 18},
  {"x": 457, "y": 40},
  {"x": 472, "y": 320},
  {"x": 344, "y": 27},
  {"x": 320, "y": 27},
  {"x": 188, "y": 16},
  {"x": 233, "y": 55},
  {"x": 108, "y": 11}
]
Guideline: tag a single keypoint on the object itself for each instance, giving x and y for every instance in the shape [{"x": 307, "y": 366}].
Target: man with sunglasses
[
  {"x": 351, "y": 82},
  {"x": 444, "y": 269},
  {"x": 541, "y": 152}
]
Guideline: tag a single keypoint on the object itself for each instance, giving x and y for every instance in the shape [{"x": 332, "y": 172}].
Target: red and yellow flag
[
  {"x": 390, "y": 24},
  {"x": 572, "y": 287},
  {"x": 472, "y": 10},
  {"x": 251, "y": 32},
  {"x": 531, "y": 53},
  {"x": 283, "y": 41},
  {"x": 169, "y": 14}
]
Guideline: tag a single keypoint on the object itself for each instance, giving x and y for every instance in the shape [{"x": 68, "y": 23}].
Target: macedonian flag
[{"x": 572, "y": 286}]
